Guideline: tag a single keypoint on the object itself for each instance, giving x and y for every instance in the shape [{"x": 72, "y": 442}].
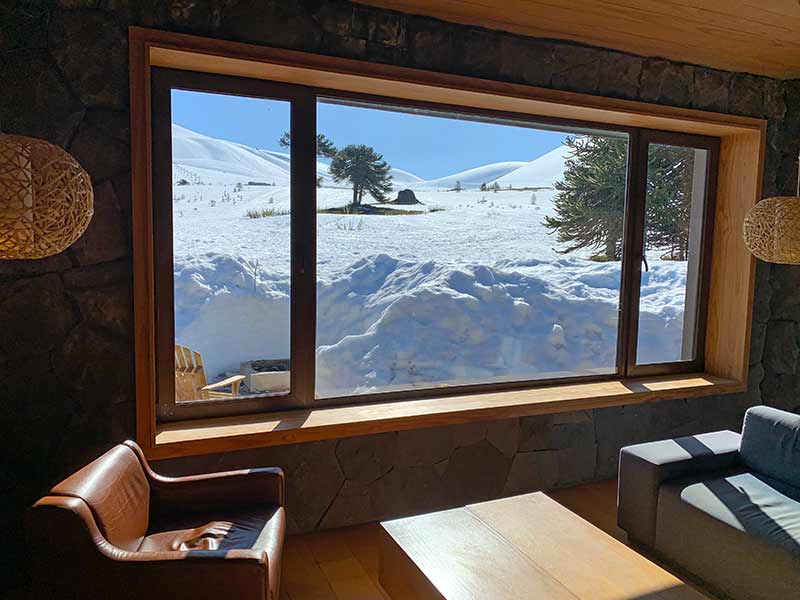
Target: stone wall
[
  {"x": 66, "y": 352},
  {"x": 354, "y": 480}
]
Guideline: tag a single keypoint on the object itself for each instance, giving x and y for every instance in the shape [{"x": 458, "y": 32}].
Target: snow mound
[
  {"x": 230, "y": 311},
  {"x": 540, "y": 173},
  {"x": 387, "y": 323}
]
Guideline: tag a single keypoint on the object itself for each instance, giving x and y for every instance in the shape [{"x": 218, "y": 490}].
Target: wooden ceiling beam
[{"x": 762, "y": 38}]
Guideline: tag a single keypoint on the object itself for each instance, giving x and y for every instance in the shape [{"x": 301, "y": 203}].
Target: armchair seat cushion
[
  {"x": 261, "y": 530},
  {"x": 245, "y": 530},
  {"x": 738, "y": 523}
]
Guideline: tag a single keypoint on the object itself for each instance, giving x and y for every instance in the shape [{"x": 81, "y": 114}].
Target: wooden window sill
[{"x": 272, "y": 429}]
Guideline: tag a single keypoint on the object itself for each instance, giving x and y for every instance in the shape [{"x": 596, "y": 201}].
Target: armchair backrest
[
  {"x": 117, "y": 492},
  {"x": 771, "y": 443}
]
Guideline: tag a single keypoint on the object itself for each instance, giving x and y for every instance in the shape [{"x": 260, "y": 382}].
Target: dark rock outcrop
[{"x": 406, "y": 197}]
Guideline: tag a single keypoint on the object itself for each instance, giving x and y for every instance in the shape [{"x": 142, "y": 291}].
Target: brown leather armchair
[{"x": 115, "y": 529}]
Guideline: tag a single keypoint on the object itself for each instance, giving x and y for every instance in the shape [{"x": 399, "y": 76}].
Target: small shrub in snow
[
  {"x": 350, "y": 225},
  {"x": 265, "y": 212},
  {"x": 434, "y": 209}
]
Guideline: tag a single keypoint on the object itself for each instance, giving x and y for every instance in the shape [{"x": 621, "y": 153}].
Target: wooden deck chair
[{"x": 190, "y": 378}]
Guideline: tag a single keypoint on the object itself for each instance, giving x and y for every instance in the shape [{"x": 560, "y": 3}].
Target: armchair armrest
[
  {"x": 217, "y": 491},
  {"x": 209, "y": 492},
  {"x": 644, "y": 467}
]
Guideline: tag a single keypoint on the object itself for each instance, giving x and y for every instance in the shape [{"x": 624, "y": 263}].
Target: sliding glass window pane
[
  {"x": 231, "y": 231},
  {"x": 670, "y": 283},
  {"x": 454, "y": 251}
]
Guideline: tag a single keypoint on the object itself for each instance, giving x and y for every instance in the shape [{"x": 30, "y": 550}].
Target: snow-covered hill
[
  {"x": 539, "y": 173},
  {"x": 198, "y": 158},
  {"x": 473, "y": 178}
]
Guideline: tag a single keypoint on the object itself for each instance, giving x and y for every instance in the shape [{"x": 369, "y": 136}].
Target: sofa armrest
[{"x": 644, "y": 467}]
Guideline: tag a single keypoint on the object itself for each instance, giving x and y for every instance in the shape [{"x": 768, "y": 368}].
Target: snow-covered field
[{"x": 468, "y": 290}]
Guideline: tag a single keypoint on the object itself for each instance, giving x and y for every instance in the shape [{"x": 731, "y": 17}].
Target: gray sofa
[{"x": 724, "y": 507}]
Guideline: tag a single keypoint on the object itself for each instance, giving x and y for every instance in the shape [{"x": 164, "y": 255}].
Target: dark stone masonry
[{"x": 66, "y": 350}]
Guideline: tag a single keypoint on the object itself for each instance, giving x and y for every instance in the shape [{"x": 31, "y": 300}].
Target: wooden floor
[{"x": 343, "y": 563}]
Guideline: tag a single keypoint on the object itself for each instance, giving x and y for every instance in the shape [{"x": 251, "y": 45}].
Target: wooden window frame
[
  {"x": 302, "y": 248},
  {"x": 737, "y": 142},
  {"x": 633, "y": 251}
]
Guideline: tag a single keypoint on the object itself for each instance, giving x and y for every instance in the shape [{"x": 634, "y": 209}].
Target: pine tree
[
  {"x": 325, "y": 147},
  {"x": 670, "y": 172},
  {"x": 495, "y": 187},
  {"x": 458, "y": 187},
  {"x": 590, "y": 203},
  {"x": 366, "y": 171}
]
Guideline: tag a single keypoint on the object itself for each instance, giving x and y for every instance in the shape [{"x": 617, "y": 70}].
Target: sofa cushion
[
  {"x": 771, "y": 443},
  {"x": 737, "y": 532}
]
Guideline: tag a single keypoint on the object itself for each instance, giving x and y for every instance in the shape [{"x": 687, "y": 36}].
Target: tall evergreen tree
[
  {"x": 590, "y": 203},
  {"x": 670, "y": 171},
  {"x": 325, "y": 147},
  {"x": 366, "y": 171}
]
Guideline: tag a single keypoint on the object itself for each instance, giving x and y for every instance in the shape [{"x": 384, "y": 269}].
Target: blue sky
[{"x": 428, "y": 147}]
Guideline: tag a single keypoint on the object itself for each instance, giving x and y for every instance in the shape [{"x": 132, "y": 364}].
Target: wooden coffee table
[{"x": 516, "y": 548}]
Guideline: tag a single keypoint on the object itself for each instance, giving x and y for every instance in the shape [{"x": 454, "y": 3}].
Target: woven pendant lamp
[
  {"x": 46, "y": 199},
  {"x": 772, "y": 228}
]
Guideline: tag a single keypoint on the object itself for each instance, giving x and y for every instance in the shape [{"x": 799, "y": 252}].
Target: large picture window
[{"x": 316, "y": 248}]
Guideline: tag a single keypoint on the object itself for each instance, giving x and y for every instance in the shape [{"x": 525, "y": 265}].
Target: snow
[
  {"x": 404, "y": 177},
  {"x": 541, "y": 172},
  {"x": 200, "y": 158},
  {"x": 473, "y": 292},
  {"x": 199, "y": 153},
  {"x": 473, "y": 178}
]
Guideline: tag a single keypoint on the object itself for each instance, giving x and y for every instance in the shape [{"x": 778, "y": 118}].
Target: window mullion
[
  {"x": 632, "y": 252},
  {"x": 304, "y": 257}
]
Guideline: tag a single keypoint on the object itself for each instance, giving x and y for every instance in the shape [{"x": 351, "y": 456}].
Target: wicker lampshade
[
  {"x": 772, "y": 230},
  {"x": 46, "y": 199}
]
